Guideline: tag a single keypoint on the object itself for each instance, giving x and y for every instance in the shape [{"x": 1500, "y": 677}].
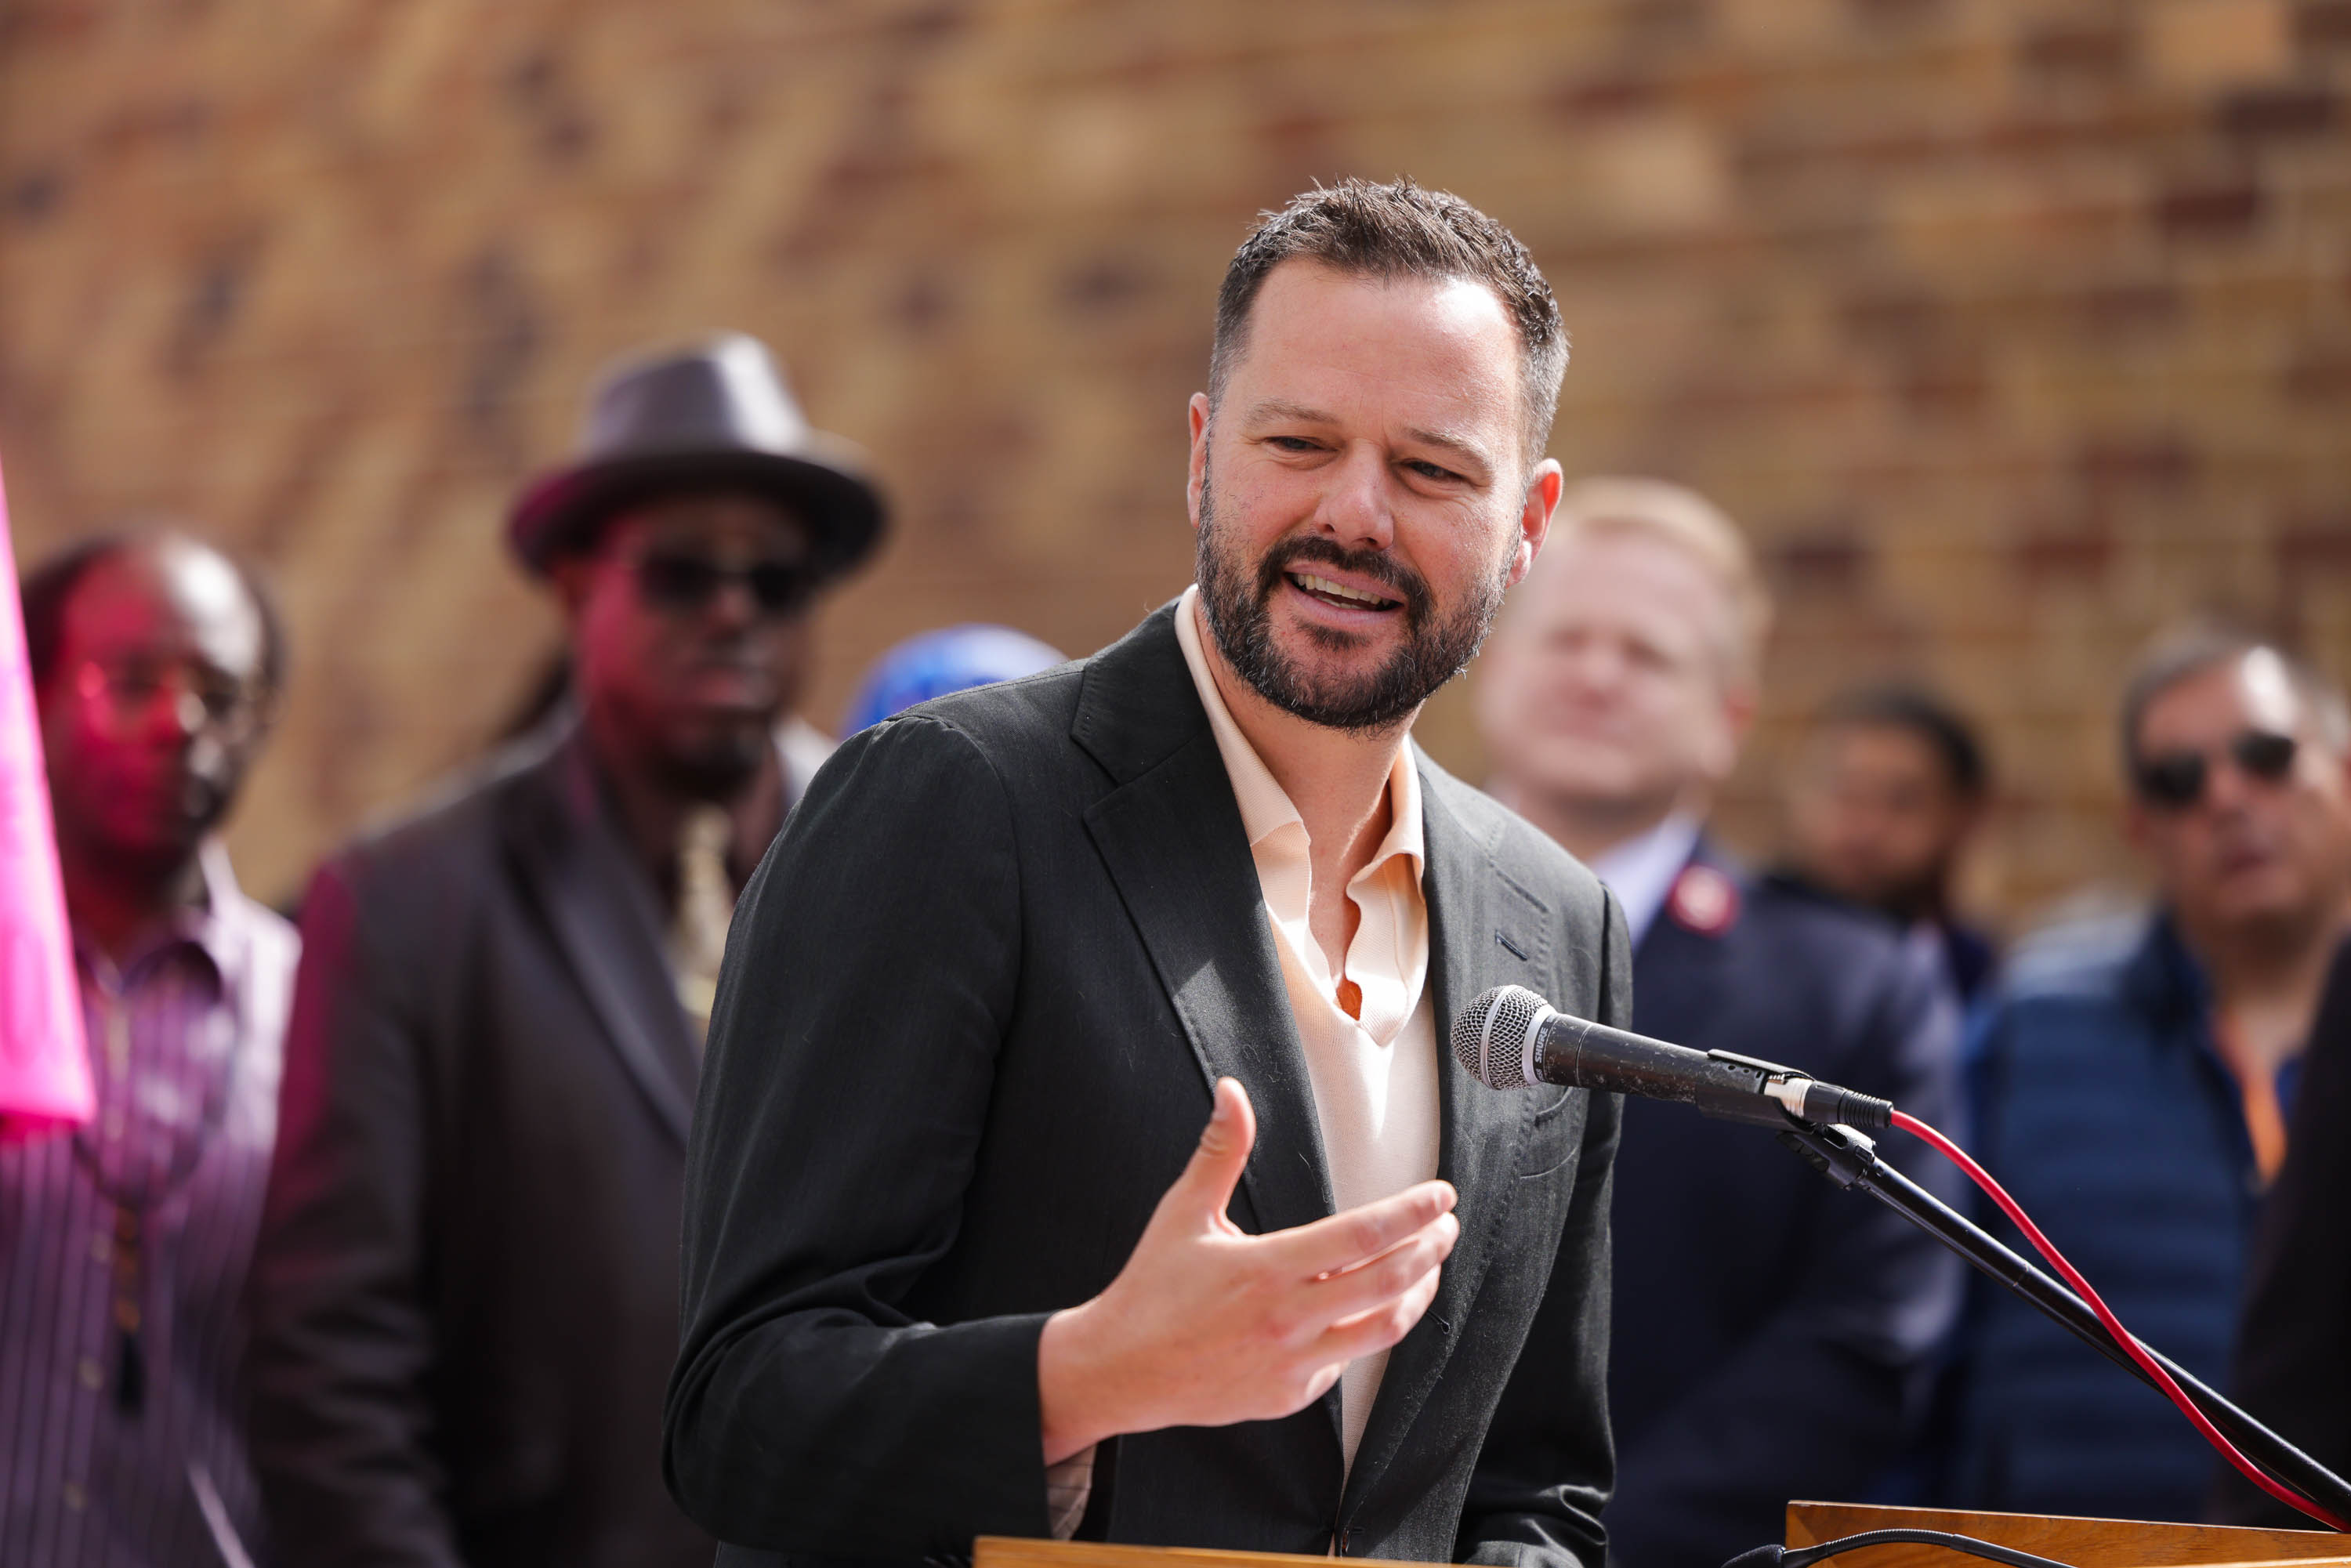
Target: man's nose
[
  {"x": 176, "y": 712},
  {"x": 2227, "y": 785},
  {"x": 1355, "y": 509},
  {"x": 2231, "y": 788},
  {"x": 732, "y": 606},
  {"x": 1596, "y": 666}
]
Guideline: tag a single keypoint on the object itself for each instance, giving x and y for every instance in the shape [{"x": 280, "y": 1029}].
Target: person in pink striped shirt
[{"x": 156, "y": 664}]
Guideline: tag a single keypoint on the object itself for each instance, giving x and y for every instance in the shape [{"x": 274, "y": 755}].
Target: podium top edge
[{"x": 1012, "y": 1552}]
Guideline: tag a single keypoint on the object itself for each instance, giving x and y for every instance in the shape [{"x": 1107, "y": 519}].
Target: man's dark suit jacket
[
  {"x": 464, "y": 1298},
  {"x": 1773, "y": 1333},
  {"x": 2292, "y": 1367},
  {"x": 974, "y": 1005}
]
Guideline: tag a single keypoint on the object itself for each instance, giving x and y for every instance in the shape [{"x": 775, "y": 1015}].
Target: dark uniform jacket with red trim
[{"x": 1773, "y": 1333}]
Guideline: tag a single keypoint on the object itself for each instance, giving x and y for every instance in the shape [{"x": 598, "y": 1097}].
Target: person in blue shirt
[
  {"x": 933, "y": 663},
  {"x": 2134, "y": 1077}
]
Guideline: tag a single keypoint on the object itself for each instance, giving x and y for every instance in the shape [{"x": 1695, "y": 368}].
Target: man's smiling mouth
[{"x": 1345, "y": 598}]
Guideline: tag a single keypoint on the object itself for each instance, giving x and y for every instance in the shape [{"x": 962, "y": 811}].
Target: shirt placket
[
  {"x": 124, "y": 1240},
  {"x": 136, "y": 1150}
]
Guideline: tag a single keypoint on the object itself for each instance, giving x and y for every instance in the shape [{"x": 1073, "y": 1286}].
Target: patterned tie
[{"x": 706, "y": 906}]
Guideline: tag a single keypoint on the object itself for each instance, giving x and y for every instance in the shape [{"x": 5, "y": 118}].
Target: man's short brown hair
[{"x": 1398, "y": 230}]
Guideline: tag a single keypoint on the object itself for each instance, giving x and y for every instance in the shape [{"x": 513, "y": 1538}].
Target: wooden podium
[
  {"x": 1003, "y": 1552},
  {"x": 2081, "y": 1543}
]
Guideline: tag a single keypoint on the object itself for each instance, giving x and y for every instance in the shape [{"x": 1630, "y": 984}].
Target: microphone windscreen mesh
[{"x": 1489, "y": 1037}]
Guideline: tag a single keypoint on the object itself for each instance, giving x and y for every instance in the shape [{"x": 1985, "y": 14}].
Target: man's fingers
[
  {"x": 1342, "y": 1241},
  {"x": 1399, "y": 1270},
  {"x": 1206, "y": 1188},
  {"x": 1381, "y": 1326}
]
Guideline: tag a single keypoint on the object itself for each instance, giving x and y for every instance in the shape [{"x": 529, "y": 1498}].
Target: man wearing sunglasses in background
[
  {"x": 466, "y": 1297},
  {"x": 2134, "y": 1077}
]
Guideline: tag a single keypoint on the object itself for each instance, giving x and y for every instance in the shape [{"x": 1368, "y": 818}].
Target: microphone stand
[{"x": 1851, "y": 1161}]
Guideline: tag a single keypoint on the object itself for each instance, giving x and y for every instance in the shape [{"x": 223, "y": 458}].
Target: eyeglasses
[
  {"x": 683, "y": 582},
  {"x": 122, "y": 690},
  {"x": 2175, "y": 780}
]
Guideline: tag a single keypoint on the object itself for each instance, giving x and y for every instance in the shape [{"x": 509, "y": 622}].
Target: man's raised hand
[{"x": 1207, "y": 1325}]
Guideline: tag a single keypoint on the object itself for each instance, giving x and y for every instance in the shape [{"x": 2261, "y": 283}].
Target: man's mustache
[{"x": 1380, "y": 568}]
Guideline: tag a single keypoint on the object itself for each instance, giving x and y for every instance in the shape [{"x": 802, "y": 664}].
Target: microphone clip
[
  {"x": 1840, "y": 1153},
  {"x": 1807, "y": 1099},
  {"x": 1804, "y": 1098}
]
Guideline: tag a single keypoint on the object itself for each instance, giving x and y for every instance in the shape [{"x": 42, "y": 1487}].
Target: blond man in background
[{"x": 1772, "y": 1334}]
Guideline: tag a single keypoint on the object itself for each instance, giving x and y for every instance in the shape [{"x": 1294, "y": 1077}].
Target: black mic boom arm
[{"x": 1851, "y": 1161}]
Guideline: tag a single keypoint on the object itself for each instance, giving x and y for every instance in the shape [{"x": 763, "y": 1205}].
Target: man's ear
[
  {"x": 1545, "y": 483},
  {"x": 569, "y": 576},
  {"x": 1196, "y": 470},
  {"x": 50, "y": 714},
  {"x": 271, "y": 708},
  {"x": 1741, "y": 700}
]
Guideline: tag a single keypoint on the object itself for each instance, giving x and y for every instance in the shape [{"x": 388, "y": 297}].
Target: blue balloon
[{"x": 932, "y": 663}]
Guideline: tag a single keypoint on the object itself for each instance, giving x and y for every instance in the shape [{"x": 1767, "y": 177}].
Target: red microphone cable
[{"x": 2122, "y": 1336}]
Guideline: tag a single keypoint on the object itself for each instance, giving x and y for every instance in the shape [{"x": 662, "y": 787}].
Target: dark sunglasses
[
  {"x": 676, "y": 580},
  {"x": 2176, "y": 780}
]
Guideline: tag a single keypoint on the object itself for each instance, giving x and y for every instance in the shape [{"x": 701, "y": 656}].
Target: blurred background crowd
[{"x": 1961, "y": 659}]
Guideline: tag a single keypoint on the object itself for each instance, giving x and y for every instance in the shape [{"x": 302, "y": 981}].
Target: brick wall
[{"x": 2012, "y": 329}]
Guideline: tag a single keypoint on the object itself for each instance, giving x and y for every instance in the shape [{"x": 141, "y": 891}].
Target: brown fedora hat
[{"x": 712, "y": 414}]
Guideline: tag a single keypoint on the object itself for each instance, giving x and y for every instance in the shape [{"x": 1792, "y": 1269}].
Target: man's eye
[
  {"x": 1291, "y": 442},
  {"x": 1428, "y": 470}
]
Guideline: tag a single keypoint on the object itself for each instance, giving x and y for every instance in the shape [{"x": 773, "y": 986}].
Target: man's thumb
[{"x": 1225, "y": 1142}]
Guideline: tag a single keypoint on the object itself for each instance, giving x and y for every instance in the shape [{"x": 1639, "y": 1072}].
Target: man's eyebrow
[
  {"x": 1283, "y": 408},
  {"x": 1460, "y": 444}
]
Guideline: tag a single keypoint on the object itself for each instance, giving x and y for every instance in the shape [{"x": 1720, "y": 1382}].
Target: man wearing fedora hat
[{"x": 464, "y": 1301}]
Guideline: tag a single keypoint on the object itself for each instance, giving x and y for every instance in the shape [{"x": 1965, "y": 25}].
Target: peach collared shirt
[{"x": 1373, "y": 1067}]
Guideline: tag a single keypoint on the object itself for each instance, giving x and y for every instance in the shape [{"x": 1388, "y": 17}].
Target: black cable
[{"x": 1805, "y": 1556}]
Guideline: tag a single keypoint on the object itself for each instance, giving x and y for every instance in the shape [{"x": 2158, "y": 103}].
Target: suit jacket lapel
[
  {"x": 601, "y": 914},
  {"x": 1483, "y": 931},
  {"x": 1171, "y": 837}
]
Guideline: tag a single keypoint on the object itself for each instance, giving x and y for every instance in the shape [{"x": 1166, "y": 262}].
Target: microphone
[{"x": 1510, "y": 1037}]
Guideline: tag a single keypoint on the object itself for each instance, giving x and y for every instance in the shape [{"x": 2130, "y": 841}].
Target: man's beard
[
  {"x": 1238, "y": 602},
  {"x": 1909, "y": 899},
  {"x": 718, "y": 764}
]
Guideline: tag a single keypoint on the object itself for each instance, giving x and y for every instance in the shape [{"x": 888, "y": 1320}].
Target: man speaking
[{"x": 960, "y": 1257}]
